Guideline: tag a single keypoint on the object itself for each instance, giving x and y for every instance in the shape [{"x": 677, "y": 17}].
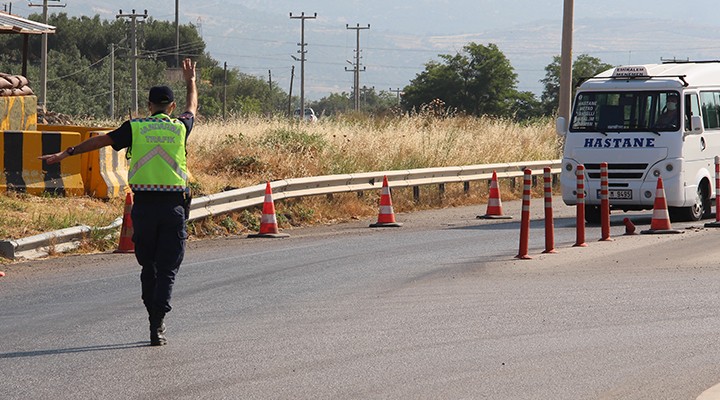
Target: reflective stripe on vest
[{"x": 158, "y": 160}]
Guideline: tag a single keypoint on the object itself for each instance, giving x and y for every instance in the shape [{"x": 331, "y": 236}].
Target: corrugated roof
[{"x": 10, "y": 23}]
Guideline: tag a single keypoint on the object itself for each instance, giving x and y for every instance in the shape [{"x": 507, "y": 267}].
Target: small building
[{"x": 13, "y": 24}]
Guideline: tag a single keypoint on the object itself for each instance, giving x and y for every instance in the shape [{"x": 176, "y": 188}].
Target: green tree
[
  {"x": 79, "y": 68},
  {"x": 334, "y": 104},
  {"x": 584, "y": 66},
  {"x": 526, "y": 106},
  {"x": 478, "y": 81},
  {"x": 437, "y": 81},
  {"x": 244, "y": 94},
  {"x": 375, "y": 103}
]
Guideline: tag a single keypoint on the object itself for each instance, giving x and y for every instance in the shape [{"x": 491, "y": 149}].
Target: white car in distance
[{"x": 309, "y": 114}]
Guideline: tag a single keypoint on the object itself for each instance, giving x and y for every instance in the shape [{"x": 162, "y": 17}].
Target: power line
[{"x": 80, "y": 70}]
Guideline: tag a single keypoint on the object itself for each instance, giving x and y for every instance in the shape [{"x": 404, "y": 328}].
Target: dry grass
[
  {"x": 23, "y": 215},
  {"x": 246, "y": 152}
]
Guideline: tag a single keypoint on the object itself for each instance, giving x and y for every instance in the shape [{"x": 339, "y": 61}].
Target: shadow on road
[
  {"x": 104, "y": 347},
  {"x": 567, "y": 222}
]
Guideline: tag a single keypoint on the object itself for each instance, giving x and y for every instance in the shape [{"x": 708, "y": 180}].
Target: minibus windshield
[{"x": 653, "y": 111}]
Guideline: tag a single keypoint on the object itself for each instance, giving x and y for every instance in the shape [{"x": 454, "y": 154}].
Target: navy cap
[{"x": 161, "y": 95}]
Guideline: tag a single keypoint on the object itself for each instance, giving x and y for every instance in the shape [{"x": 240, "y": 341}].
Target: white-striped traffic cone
[
  {"x": 268, "y": 221},
  {"x": 126, "y": 245},
  {"x": 386, "y": 215},
  {"x": 660, "y": 219},
  {"x": 494, "y": 204}
]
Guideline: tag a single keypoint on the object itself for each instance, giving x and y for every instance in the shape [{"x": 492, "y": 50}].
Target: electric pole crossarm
[{"x": 398, "y": 92}]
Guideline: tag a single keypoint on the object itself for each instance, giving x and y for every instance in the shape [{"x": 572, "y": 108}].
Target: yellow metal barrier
[
  {"x": 104, "y": 171},
  {"x": 84, "y": 131},
  {"x": 22, "y": 170}
]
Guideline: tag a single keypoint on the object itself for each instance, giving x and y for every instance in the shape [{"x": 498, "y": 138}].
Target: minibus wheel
[
  {"x": 696, "y": 212},
  {"x": 592, "y": 214}
]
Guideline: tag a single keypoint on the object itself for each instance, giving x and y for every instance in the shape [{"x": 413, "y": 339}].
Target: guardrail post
[
  {"x": 441, "y": 190},
  {"x": 466, "y": 187},
  {"x": 416, "y": 194}
]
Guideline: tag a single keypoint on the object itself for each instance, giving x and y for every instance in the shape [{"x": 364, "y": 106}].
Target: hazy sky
[{"x": 257, "y": 36}]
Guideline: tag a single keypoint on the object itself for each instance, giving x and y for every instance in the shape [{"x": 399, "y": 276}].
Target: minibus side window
[
  {"x": 710, "y": 107},
  {"x": 692, "y": 107}
]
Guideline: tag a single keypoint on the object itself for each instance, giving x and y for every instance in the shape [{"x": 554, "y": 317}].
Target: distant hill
[{"x": 254, "y": 38}]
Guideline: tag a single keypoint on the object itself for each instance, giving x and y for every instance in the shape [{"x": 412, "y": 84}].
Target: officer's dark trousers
[{"x": 159, "y": 236}]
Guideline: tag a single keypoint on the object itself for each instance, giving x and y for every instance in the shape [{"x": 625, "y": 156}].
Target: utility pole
[
  {"x": 398, "y": 92},
  {"x": 356, "y": 66},
  {"x": 42, "y": 100},
  {"x": 302, "y": 17},
  {"x": 177, "y": 34},
  {"x": 566, "y": 63},
  {"x": 133, "y": 43},
  {"x": 112, "y": 81},
  {"x": 224, "y": 89},
  {"x": 292, "y": 77},
  {"x": 5, "y": 7},
  {"x": 270, "y": 95},
  {"x": 365, "y": 90}
]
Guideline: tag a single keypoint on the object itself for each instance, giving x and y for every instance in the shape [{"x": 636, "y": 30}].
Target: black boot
[{"x": 157, "y": 329}]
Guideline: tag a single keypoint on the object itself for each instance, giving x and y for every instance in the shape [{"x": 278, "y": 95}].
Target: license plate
[{"x": 618, "y": 194}]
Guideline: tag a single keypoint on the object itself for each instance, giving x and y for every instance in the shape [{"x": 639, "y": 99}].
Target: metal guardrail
[{"x": 239, "y": 199}]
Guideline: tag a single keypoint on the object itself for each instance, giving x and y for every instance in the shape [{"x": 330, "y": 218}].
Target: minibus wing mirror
[{"x": 695, "y": 124}]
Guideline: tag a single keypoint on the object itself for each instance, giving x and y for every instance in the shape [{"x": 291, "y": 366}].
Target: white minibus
[{"x": 645, "y": 121}]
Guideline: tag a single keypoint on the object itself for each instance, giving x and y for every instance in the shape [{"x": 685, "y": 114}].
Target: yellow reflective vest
[{"x": 158, "y": 159}]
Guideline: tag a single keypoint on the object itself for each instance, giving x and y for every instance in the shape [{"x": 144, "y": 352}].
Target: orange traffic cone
[
  {"x": 268, "y": 221},
  {"x": 126, "y": 244},
  {"x": 660, "y": 219},
  {"x": 629, "y": 227},
  {"x": 494, "y": 205},
  {"x": 386, "y": 216}
]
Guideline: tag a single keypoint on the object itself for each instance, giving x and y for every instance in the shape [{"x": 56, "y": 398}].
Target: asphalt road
[{"x": 438, "y": 308}]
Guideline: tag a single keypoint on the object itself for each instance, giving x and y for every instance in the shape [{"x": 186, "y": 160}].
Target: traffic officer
[{"x": 158, "y": 178}]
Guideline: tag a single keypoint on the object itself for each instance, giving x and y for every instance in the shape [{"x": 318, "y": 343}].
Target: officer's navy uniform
[{"x": 158, "y": 212}]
